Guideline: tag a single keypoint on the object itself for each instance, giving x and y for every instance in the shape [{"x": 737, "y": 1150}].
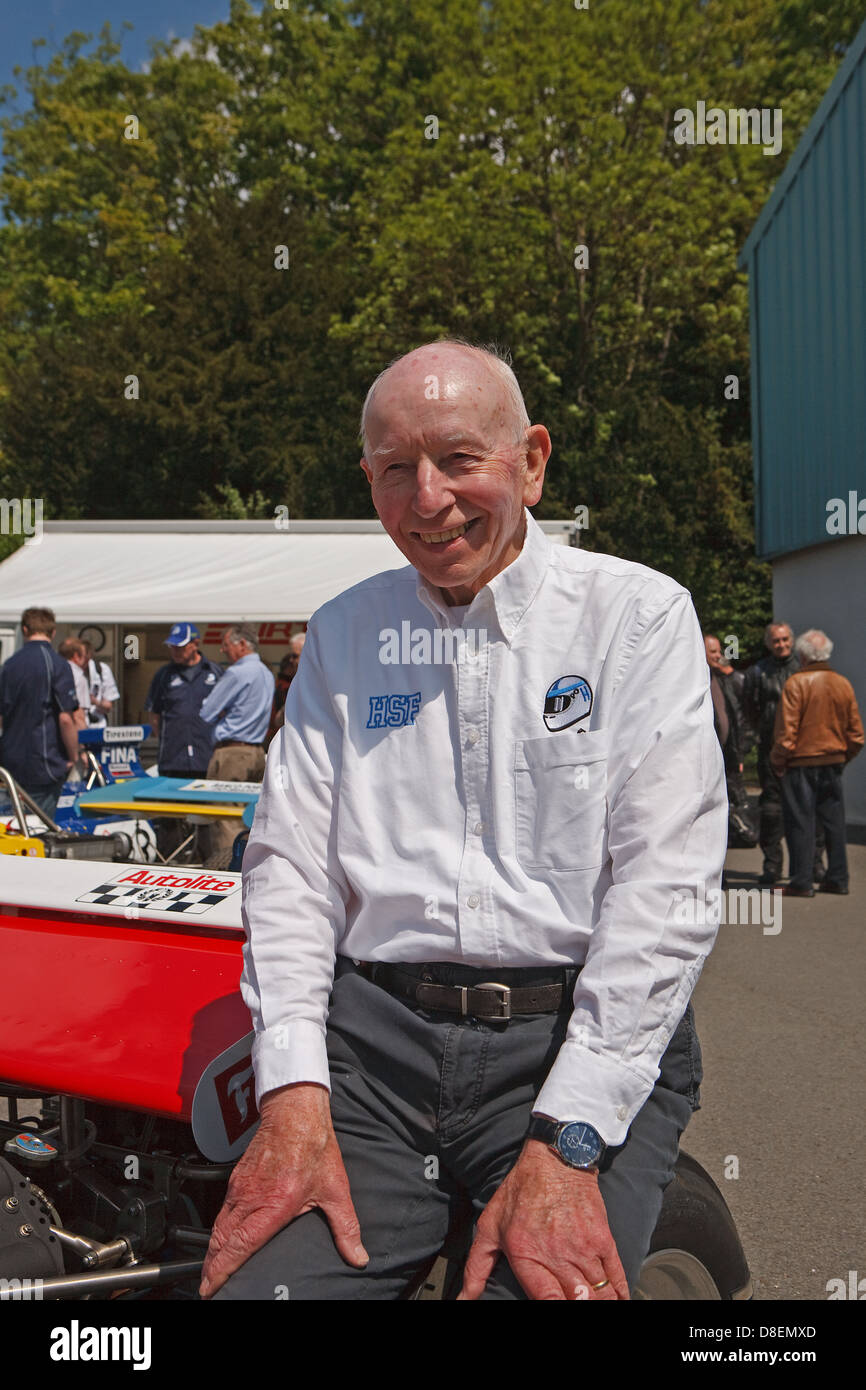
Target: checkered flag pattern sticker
[{"x": 191, "y": 894}]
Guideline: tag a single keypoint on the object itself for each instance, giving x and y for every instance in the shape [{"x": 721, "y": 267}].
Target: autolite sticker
[
  {"x": 188, "y": 894},
  {"x": 198, "y": 879}
]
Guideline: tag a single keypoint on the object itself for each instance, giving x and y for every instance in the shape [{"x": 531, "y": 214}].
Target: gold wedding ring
[{"x": 603, "y": 1285}]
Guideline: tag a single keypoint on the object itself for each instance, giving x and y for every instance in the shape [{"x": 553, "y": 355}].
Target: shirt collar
[
  {"x": 188, "y": 672},
  {"x": 510, "y": 593}
]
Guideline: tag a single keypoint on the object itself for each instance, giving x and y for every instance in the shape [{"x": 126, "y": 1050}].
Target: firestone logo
[{"x": 235, "y": 1088}]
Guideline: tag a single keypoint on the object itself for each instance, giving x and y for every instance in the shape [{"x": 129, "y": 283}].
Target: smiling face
[
  {"x": 451, "y": 468},
  {"x": 780, "y": 640}
]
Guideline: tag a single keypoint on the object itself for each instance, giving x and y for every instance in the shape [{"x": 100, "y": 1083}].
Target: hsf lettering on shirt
[{"x": 393, "y": 711}]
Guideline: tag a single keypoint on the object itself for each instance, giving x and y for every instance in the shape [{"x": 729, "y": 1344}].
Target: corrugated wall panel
[{"x": 807, "y": 270}]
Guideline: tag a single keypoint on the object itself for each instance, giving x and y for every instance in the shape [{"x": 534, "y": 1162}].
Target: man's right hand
[{"x": 292, "y": 1164}]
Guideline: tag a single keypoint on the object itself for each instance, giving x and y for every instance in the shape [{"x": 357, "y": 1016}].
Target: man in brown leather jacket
[{"x": 818, "y": 730}]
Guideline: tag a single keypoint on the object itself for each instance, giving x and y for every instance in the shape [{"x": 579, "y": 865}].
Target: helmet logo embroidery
[{"x": 568, "y": 700}]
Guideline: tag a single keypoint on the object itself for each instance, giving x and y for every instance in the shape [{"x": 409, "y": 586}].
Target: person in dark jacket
[
  {"x": 728, "y": 726},
  {"x": 174, "y": 699},
  {"x": 761, "y": 692},
  {"x": 734, "y": 682},
  {"x": 286, "y": 674},
  {"x": 728, "y": 719},
  {"x": 39, "y": 744}
]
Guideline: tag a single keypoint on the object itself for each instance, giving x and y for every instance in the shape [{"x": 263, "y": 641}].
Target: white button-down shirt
[
  {"x": 427, "y": 811},
  {"x": 102, "y": 686}
]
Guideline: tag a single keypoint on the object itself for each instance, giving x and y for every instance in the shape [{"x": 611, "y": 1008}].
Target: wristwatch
[{"x": 577, "y": 1144}]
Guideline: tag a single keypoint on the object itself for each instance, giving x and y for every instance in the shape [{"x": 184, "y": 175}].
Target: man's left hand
[{"x": 550, "y": 1223}]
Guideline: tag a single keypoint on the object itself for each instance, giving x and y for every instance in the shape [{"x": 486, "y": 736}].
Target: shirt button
[
  {"x": 472, "y": 737},
  {"x": 478, "y": 827},
  {"x": 621, "y": 1112},
  {"x": 473, "y": 900}
]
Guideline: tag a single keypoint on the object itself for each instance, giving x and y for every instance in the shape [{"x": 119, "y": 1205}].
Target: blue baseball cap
[{"x": 180, "y": 634}]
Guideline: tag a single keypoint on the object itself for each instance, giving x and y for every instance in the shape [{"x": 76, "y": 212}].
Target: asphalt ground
[
  {"x": 781, "y": 1017},
  {"x": 781, "y": 1022}
]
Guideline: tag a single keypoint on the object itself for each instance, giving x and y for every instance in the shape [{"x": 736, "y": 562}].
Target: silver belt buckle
[{"x": 505, "y": 1001}]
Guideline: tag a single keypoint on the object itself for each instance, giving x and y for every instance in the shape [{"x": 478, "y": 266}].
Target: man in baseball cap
[
  {"x": 182, "y": 634},
  {"x": 174, "y": 700}
]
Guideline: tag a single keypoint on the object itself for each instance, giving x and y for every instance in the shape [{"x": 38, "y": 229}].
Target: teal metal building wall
[{"x": 806, "y": 261}]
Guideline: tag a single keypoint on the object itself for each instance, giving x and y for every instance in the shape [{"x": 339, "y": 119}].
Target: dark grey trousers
[
  {"x": 812, "y": 799},
  {"x": 426, "y": 1106}
]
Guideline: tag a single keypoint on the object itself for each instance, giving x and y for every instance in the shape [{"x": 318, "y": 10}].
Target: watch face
[{"x": 580, "y": 1145}]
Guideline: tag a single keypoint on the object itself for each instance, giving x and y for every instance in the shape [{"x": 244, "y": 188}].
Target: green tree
[{"x": 552, "y": 212}]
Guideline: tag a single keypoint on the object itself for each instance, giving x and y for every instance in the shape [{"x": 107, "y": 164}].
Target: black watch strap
[
  {"x": 543, "y": 1128},
  {"x": 551, "y": 1132}
]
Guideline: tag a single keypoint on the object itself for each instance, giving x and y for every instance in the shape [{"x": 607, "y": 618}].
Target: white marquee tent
[{"x": 157, "y": 571}]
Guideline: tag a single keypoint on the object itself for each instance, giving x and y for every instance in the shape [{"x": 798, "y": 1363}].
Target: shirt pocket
[{"x": 560, "y": 801}]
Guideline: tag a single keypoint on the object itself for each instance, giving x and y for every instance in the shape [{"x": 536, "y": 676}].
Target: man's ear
[
  {"x": 367, "y": 470},
  {"x": 538, "y": 450}
]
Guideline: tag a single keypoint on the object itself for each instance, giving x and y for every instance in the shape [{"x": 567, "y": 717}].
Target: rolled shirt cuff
[
  {"x": 583, "y": 1085},
  {"x": 288, "y": 1053}
]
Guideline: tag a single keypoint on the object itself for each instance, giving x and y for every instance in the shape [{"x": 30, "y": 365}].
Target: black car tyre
[{"x": 696, "y": 1252}]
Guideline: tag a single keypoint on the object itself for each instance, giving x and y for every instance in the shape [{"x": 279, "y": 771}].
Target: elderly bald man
[{"x": 468, "y": 960}]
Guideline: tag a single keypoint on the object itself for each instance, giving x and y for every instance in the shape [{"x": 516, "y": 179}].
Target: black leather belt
[{"x": 486, "y": 999}]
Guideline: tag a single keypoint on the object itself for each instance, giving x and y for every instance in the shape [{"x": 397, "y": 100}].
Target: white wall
[{"x": 825, "y": 587}]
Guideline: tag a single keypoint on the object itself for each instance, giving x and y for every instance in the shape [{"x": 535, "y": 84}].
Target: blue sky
[{"x": 20, "y": 23}]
